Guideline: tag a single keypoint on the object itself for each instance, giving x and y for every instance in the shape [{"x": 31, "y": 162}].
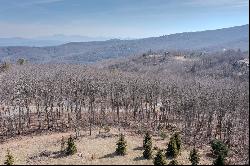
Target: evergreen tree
[
  {"x": 147, "y": 146},
  {"x": 147, "y": 154},
  {"x": 173, "y": 162},
  {"x": 121, "y": 145},
  {"x": 219, "y": 148},
  {"x": 172, "y": 150},
  {"x": 220, "y": 160},
  {"x": 178, "y": 141},
  {"x": 159, "y": 158},
  {"x": 194, "y": 157},
  {"x": 147, "y": 138},
  {"x": 71, "y": 148},
  {"x": 20, "y": 61},
  {"x": 9, "y": 158}
]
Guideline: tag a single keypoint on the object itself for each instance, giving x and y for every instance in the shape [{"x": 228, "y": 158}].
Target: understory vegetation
[{"x": 219, "y": 151}]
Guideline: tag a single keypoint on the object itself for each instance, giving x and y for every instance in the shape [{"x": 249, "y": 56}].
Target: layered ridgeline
[{"x": 87, "y": 52}]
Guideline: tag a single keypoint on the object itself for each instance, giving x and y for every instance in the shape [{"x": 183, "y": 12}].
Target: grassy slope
[{"x": 91, "y": 150}]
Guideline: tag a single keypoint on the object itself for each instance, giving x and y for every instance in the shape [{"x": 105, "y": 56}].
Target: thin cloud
[
  {"x": 15, "y": 4},
  {"x": 218, "y": 3},
  {"x": 28, "y": 3},
  {"x": 46, "y": 1}
]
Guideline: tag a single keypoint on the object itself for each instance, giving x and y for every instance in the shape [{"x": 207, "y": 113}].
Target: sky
[{"x": 118, "y": 18}]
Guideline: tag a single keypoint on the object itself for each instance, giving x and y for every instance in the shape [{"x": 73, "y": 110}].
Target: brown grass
[{"x": 95, "y": 149}]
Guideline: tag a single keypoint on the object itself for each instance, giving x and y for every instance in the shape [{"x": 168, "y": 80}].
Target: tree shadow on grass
[
  {"x": 138, "y": 148},
  {"x": 105, "y": 135},
  {"x": 139, "y": 158},
  {"x": 210, "y": 155},
  {"x": 47, "y": 154},
  {"x": 58, "y": 154},
  {"x": 111, "y": 155},
  {"x": 159, "y": 139},
  {"x": 169, "y": 157}
]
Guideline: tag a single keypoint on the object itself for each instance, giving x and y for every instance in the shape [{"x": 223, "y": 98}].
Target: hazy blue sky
[{"x": 118, "y": 18}]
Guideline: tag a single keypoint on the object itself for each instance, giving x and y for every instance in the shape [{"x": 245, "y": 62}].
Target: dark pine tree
[
  {"x": 147, "y": 138},
  {"x": 9, "y": 158},
  {"x": 71, "y": 148},
  {"x": 159, "y": 158},
  {"x": 172, "y": 150},
  {"x": 147, "y": 154},
  {"x": 147, "y": 146},
  {"x": 219, "y": 148},
  {"x": 178, "y": 141},
  {"x": 121, "y": 145},
  {"x": 194, "y": 157},
  {"x": 173, "y": 162},
  {"x": 220, "y": 160}
]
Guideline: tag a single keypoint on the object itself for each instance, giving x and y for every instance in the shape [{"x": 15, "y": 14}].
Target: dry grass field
[{"x": 97, "y": 149}]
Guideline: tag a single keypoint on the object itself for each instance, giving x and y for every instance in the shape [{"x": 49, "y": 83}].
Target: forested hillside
[
  {"x": 201, "y": 96},
  {"x": 89, "y": 52}
]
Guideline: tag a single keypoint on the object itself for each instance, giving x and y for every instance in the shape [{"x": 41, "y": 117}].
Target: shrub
[
  {"x": 4, "y": 66},
  {"x": 141, "y": 129},
  {"x": 172, "y": 150},
  {"x": 106, "y": 129},
  {"x": 71, "y": 148},
  {"x": 93, "y": 156},
  {"x": 121, "y": 145},
  {"x": 159, "y": 158},
  {"x": 219, "y": 148},
  {"x": 155, "y": 148},
  {"x": 163, "y": 135},
  {"x": 20, "y": 61},
  {"x": 9, "y": 158},
  {"x": 194, "y": 157}
]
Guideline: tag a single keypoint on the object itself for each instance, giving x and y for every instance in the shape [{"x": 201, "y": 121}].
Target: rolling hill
[{"x": 89, "y": 52}]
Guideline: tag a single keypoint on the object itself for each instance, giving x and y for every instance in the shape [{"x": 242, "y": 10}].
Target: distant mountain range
[
  {"x": 88, "y": 52},
  {"x": 53, "y": 40}
]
